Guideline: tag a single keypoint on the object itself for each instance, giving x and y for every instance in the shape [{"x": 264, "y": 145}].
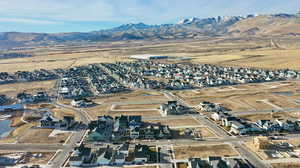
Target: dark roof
[
  {"x": 135, "y": 118},
  {"x": 198, "y": 163},
  {"x": 75, "y": 158},
  {"x": 124, "y": 147},
  {"x": 141, "y": 151}
]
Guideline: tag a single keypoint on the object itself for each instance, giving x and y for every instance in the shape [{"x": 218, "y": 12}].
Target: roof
[
  {"x": 198, "y": 163},
  {"x": 124, "y": 147}
]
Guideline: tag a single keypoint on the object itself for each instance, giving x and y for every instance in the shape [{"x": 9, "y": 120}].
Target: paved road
[
  {"x": 251, "y": 157},
  {"x": 242, "y": 149},
  {"x": 30, "y": 147},
  {"x": 61, "y": 158}
]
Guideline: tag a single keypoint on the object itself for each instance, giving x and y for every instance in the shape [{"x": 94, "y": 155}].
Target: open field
[
  {"x": 137, "y": 102},
  {"x": 204, "y": 151},
  {"x": 183, "y": 122},
  {"x": 269, "y": 116},
  {"x": 42, "y": 136},
  {"x": 29, "y": 87},
  {"x": 286, "y": 165},
  {"x": 248, "y": 52},
  {"x": 18, "y": 132},
  {"x": 206, "y": 132},
  {"x": 136, "y": 106},
  {"x": 262, "y": 96},
  {"x": 61, "y": 112}
]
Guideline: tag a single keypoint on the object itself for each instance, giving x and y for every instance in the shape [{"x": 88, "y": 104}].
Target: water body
[{"x": 5, "y": 128}]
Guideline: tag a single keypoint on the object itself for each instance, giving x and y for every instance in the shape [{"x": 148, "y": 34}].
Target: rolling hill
[{"x": 193, "y": 28}]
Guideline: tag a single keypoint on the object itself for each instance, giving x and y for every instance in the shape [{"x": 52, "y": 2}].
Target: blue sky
[{"x": 88, "y": 15}]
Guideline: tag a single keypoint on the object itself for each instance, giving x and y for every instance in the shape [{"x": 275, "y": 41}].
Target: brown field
[
  {"x": 247, "y": 96},
  {"x": 204, "y": 151},
  {"x": 269, "y": 116},
  {"x": 61, "y": 112},
  {"x": 41, "y": 136},
  {"x": 185, "y": 121},
  {"x": 18, "y": 132},
  {"x": 29, "y": 87},
  {"x": 134, "y": 113},
  {"x": 43, "y": 160},
  {"x": 206, "y": 132},
  {"x": 136, "y": 106},
  {"x": 248, "y": 52},
  {"x": 286, "y": 165}
]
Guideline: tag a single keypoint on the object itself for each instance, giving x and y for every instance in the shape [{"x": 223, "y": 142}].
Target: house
[
  {"x": 41, "y": 97},
  {"x": 80, "y": 156},
  {"x": 141, "y": 154},
  {"x": 173, "y": 108},
  {"x": 236, "y": 127},
  {"x": 210, "y": 107},
  {"x": 3, "y": 100},
  {"x": 105, "y": 156},
  {"x": 48, "y": 121},
  {"x": 119, "y": 158},
  {"x": 68, "y": 122},
  {"x": 236, "y": 163},
  {"x": 217, "y": 162},
  {"x": 81, "y": 103},
  {"x": 25, "y": 98},
  {"x": 124, "y": 148},
  {"x": 197, "y": 163}
]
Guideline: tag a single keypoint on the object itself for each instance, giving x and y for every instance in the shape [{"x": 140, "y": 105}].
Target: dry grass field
[
  {"x": 269, "y": 116},
  {"x": 136, "y": 106},
  {"x": 255, "y": 52},
  {"x": 204, "y": 151},
  {"x": 286, "y": 165},
  {"x": 185, "y": 121},
  {"x": 247, "y": 96},
  {"x": 42, "y": 136},
  {"x": 61, "y": 112},
  {"x": 29, "y": 87}
]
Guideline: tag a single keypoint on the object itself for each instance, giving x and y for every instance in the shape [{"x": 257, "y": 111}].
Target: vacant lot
[
  {"x": 136, "y": 106},
  {"x": 29, "y": 87},
  {"x": 247, "y": 96},
  {"x": 204, "y": 151},
  {"x": 173, "y": 123},
  {"x": 269, "y": 116},
  {"x": 59, "y": 113},
  {"x": 286, "y": 165},
  {"x": 42, "y": 136}
]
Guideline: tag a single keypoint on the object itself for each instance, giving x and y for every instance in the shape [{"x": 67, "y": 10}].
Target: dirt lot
[
  {"x": 29, "y": 87},
  {"x": 182, "y": 122},
  {"x": 42, "y": 136},
  {"x": 204, "y": 151},
  {"x": 206, "y": 132},
  {"x": 248, "y": 96},
  {"x": 61, "y": 112},
  {"x": 286, "y": 165},
  {"x": 276, "y": 115},
  {"x": 136, "y": 106}
]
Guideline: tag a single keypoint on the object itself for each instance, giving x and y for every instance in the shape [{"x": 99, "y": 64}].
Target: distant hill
[{"x": 193, "y": 28}]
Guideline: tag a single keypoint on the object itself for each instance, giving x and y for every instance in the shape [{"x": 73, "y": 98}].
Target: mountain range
[{"x": 193, "y": 28}]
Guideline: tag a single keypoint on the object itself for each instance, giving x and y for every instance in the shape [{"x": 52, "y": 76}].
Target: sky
[{"x": 52, "y": 16}]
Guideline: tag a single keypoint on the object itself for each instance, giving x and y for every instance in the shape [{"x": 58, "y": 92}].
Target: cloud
[
  {"x": 124, "y": 11},
  {"x": 28, "y": 21}
]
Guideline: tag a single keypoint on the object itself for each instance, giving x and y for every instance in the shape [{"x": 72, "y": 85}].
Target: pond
[{"x": 5, "y": 128}]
